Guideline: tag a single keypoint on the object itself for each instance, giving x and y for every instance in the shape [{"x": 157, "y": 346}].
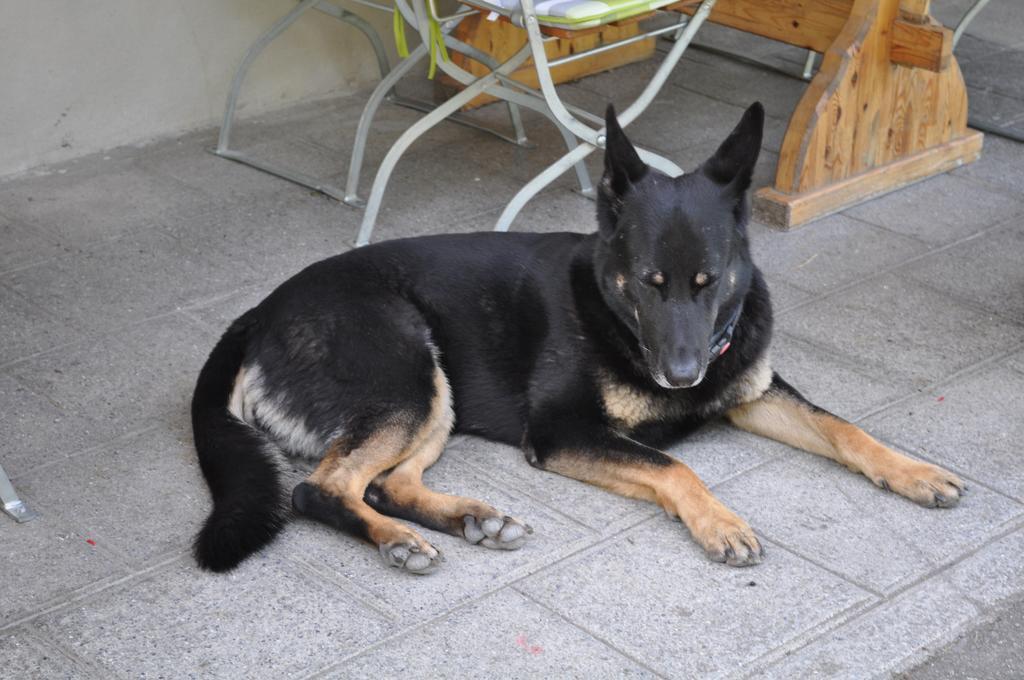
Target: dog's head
[{"x": 672, "y": 260}]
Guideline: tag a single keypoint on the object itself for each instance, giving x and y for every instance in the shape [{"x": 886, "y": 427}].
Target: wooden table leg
[{"x": 868, "y": 123}]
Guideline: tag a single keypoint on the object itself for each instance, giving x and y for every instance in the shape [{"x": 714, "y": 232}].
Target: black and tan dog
[{"x": 589, "y": 351}]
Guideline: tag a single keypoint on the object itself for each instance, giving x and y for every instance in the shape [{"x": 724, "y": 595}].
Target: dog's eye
[{"x": 656, "y": 279}]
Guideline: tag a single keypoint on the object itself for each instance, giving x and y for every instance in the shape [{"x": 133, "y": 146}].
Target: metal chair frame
[
  {"x": 581, "y": 131},
  {"x": 383, "y": 92},
  {"x": 581, "y": 138}
]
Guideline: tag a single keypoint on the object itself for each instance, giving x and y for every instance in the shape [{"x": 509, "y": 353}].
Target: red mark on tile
[
  {"x": 90, "y": 541},
  {"x": 524, "y": 645},
  {"x": 941, "y": 399}
]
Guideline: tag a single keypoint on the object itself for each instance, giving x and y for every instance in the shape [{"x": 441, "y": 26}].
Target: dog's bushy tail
[{"x": 238, "y": 461}]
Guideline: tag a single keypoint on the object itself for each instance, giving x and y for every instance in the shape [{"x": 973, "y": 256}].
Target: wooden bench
[{"x": 886, "y": 108}]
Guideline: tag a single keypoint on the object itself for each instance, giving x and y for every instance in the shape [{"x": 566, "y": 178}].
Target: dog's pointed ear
[
  {"x": 733, "y": 164},
  {"x": 622, "y": 164},
  {"x": 622, "y": 168}
]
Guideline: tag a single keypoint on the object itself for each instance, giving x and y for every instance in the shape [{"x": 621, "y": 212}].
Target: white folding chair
[
  {"x": 383, "y": 92},
  {"x": 582, "y": 131}
]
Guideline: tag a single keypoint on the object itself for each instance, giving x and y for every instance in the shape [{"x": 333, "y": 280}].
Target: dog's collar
[{"x": 722, "y": 340}]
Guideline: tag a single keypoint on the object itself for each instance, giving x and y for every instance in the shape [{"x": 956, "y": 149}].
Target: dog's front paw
[
  {"x": 727, "y": 538},
  {"x": 924, "y": 483}
]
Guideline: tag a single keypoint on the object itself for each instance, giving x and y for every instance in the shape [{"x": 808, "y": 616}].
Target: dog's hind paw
[
  {"x": 499, "y": 533},
  {"x": 411, "y": 556}
]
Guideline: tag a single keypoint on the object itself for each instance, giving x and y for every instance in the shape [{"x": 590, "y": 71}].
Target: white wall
[{"x": 78, "y": 76}]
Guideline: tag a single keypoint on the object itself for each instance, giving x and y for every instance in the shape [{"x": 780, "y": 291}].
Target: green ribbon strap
[
  {"x": 398, "y": 25},
  {"x": 436, "y": 46}
]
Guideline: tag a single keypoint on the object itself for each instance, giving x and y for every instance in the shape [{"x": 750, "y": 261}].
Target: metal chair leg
[
  {"x": 961, "y": 27},
  {"x": 419, "y": 128},
  {"x": 809, "y": 64},
  {"x": 573, "y": 158},
  {"x": 224, "y": 139},
  {"x": 527, "y": 98},
  {"x": 12, "y": 505},
  {"x": 518, "y": 136},
  {"x": 351, "y": 195},
  {"x": 593, "y": 138},
  {"x": 254, "y": 50}
]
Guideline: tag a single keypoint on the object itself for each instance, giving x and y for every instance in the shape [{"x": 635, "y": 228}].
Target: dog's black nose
[{"x": 683, "y": 372}]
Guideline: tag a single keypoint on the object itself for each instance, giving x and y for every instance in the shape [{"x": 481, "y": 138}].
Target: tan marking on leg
[
  {"x": 404, "y": 486},
  {"x": 679, "y": 491},
  {"x": 784, "y": 419},
  {"x": 344, "y": 474}
]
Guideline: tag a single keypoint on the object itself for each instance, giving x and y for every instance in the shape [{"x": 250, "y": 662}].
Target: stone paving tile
[
  {"x": 995, "y": 108},
  {"x": 267, "y": 619},
  {"x": 939, "y": 210},
  {"x": 555, "y": 210},
  {"x": 468, "y": 572},
  {"x": 25, "y": 245},
  {"x": 1016, "y": 362},
  {"x": 121, "y": 383},
  {"x": 503, "y": 635},
  {"x": 896, "y": 634},
  {"x": 999, "y": 73},
  {"x": 217, "y": 314},
  {"x": 785, "y": 295},
  {"x": 189, "y": 160},
  {"x": 897, "y": 328},
  {"x": 831, "y": 380},
  {"x": 420, "y": 200},
  {"x": 99, "y": 200},
  {"x": 833, "y": 251},
  {"x": 1001, "y": 167},
  {"x": 675, "y": 120},
  {"x": 988, "y": 270},
  {"x": 44, "y": 562},
  {"x": 683, "y": 615},
  {"x": 990, "y": 580},
  {"x": 36, "y": 431},
  {"x": 972, "y": 424},
  {"x": 874, "y": 644},
  {"x": 28, "y": 328},
  {"x": 269, "y": 239},
  {"x": 842, "y": 521},
  {"x": 971, "y": 47},
  {"x": 999, "y": 21},
  {"x": 302, "y": 156},
  {"x": 139, "y": 275},
  {"x": 22, "y": 656},
  {"x": 749, "y": 45},
  {"x": 292, "y": 121},
  {"x": 738, "y": 83},
  {"x": 991, "y": 645},
  {"x": 142, "y": 497},
  {"x": 992, "y": 575},
  {"x": 335, "y": 129}
]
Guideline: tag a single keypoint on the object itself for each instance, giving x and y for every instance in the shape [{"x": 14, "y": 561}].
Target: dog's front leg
[
  {"x": 631, "y": 469},
  {"x": 783, "y": 414}
]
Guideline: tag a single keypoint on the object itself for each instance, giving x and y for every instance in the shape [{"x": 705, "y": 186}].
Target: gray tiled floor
[{"x": 117, "y": 276}]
